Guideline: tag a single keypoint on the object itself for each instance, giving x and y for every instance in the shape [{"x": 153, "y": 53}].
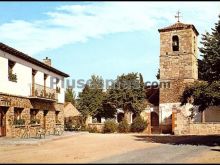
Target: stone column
[
  {"x": 149, "y": 122},
  {"x": 174, "y": 111},
  {"x": 9, "y": 122},
  {"x": 203, "y": 116}
]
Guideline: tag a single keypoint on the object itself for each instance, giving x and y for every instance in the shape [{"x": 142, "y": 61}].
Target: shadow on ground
[{"x": 207, "y": 140}]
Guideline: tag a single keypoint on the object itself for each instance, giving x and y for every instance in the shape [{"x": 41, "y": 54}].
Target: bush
[
  {"x": 110, "y": 126},
  {"x": 138, "y": 124},
  {"x": 92, "y": 130},
  {"x": 19, "y": 122},
  {"x": 123, "y": 126},
  {"x": 35, "y": 121}
]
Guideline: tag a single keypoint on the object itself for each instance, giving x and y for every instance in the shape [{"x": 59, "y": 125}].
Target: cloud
[{"x": 78, "y": 23}]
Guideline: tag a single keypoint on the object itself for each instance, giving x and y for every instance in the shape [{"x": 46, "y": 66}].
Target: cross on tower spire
[{"x": 178, "y": 16}]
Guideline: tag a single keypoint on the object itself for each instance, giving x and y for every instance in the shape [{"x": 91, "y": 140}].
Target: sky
[{"x": 102, "y": 38}]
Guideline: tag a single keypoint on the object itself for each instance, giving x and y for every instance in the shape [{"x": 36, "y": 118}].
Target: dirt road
[{"x": 110, "y": 148}]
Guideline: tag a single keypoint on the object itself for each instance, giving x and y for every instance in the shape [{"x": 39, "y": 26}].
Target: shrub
[
  {"x": 110, "y": 126},
  {"x": 92, "y": 130},
  {"x": 19, "y": 122},
  {"x": 123, "y": 126},
  {"x": 35, "y": 121},
  {"x": 138, "y": 124}
]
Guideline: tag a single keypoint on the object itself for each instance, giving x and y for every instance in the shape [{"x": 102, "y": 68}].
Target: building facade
[
  {"x": 31, "y": 93},
  {"x": 178, "y": 68}
]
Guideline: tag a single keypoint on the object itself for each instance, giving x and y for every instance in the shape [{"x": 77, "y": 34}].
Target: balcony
[{"x": 42, "y": 92}]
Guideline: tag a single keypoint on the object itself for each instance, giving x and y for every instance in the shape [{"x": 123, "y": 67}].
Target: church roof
[{"x": 179, "y": 26}]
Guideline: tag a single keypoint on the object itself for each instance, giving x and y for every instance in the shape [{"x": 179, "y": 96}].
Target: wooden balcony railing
[{"x": 43, "y": 92}]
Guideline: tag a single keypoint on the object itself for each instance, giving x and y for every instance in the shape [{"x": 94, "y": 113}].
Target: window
[
  {"x": 57, "y": 117},
  {"x": 175, "y": 43},
  {"x": 33, "y": 114},
  {"x": 11, "y": 76},
  {"x": 57, "y": 87},
  {"x": 17, "y": 113},
  {"x": 33, "y": 117}
]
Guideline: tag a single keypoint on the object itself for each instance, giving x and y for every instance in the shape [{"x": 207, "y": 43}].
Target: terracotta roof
[
  {"x": 179, "y": 26},
  {"x": 21, "y": 55},
  {"x": 70, "y": 110}
]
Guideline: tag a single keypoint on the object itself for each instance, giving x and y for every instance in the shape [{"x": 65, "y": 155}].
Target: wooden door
[
  {"x": 154, "y": 119},
  {"x": 2, "y": 122}
]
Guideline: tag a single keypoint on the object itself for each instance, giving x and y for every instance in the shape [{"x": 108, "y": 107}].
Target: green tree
[
  {"x": 203, "y": 93},
  {"x": 91, "y": 98},
  {"x": 206, "y": 92},
  {"x": 127, "y": 93},
  {"x": 209, "y": 66},
  {"x": 70, "y": 96}
]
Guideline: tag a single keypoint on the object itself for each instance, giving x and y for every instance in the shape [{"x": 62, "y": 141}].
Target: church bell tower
[{"x": 178, "y": 66}]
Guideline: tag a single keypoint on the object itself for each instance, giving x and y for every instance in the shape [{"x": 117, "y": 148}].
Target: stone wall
[
  {"x": 98, "y": 126},
  {"x": 178, "y": 64},
  {"x": 205, "y": 128},
  {"x": 180, "y": 123},
  {"x": 146, "y": 116},
  {"x": 183, "y": 125},
  {"x": 26, "y": 105},
  {"x": 177, "y": 68}
]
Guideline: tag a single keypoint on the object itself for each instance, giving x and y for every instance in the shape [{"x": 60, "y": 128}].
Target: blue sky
[{"x": 103, "y": 38}]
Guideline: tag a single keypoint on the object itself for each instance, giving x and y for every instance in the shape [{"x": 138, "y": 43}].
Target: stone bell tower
[{"x": 178, "y": 67}]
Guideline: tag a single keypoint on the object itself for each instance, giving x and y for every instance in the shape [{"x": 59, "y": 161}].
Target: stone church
[{"x": 179, "y": 68}]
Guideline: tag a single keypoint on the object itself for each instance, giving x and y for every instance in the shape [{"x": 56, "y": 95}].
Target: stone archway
[
  {"x": 120, "y": 117},
  {"x": 154, "y": 119}
]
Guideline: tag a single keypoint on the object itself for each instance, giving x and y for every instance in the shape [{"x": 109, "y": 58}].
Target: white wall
[
  {"x": 39, "y": 78},
  {"x": 22, "y": 86},
  {"x": 212, "y": 113},
  {"x": 23, "y": 70},
  {"x": 165, "y": 111}
]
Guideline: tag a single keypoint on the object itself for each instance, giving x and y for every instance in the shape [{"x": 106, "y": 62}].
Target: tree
[
  {"x": 203, "y": 93},
  {"x": 128, "y": 93},
  {"x": 209, "y": 66},
  {"x": 206, "y": 92},
  {"x": 91, "y": 98},
  {"x": 70, "y": 96}
]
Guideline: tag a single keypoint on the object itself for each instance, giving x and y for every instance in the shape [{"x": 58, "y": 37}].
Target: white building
[{"x": 27, "y": 84}]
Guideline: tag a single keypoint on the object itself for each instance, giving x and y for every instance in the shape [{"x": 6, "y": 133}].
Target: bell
[{"x": 175, "y": 43}]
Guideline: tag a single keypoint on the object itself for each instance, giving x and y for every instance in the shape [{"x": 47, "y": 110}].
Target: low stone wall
[
  {"x": 183, "y": 125},
  {"x": 99, "y": 126},
  {"x": 19, "y": 131},
  {"x": 204, "y": 128}
]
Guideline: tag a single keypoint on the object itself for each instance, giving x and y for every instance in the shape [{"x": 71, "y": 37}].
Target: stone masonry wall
[
  {"x": 180, "y": 123},
  {"x": 177, "y": 67},
  {"x": 184, "y": 126},
  {"x": 26, "y": 105},
  {"x": 50, "y": 121},
  {"x": 98, "y": 126},
  {"x": 205, "y": 128}
]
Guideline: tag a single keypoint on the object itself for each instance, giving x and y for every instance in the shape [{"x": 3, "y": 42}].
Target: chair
[
  {"x": 78, "y": 128},
  {"x": 58, "y": 130},
  {"x": 41, "y": 132}
]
